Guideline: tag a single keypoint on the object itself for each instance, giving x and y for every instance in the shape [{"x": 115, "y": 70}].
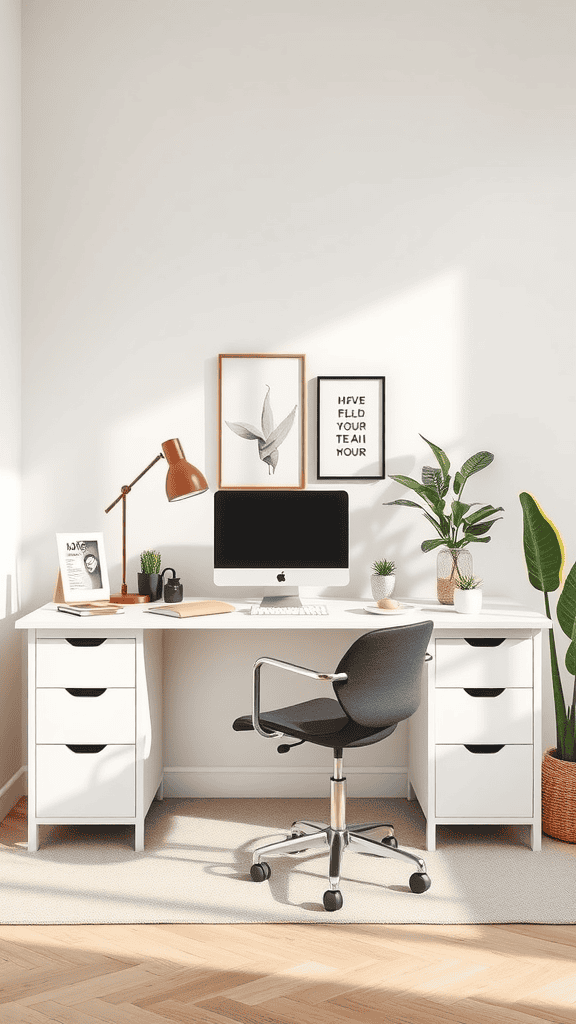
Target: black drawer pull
[
  {"x": 79, "y": 691},
  {"x": 86, "y": 748},
  {"x": 484, "y": 641},
  {"x": 86, "y": 641},
  {"x": 483, "y": 691},
  {"x": 484, "y": 748}
]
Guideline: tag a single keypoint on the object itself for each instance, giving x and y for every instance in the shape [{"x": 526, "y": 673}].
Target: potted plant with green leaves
[
  {"x": 453, "y": 519},
  {"x": 383, "y": 579},
  {"x": 544, "y": 554},
  {"x": 149, "y": 579},
  {"x": 468, "y": 595}
]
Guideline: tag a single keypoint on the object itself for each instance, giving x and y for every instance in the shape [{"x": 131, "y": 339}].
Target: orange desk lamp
[{"x": 182, "y": 481}]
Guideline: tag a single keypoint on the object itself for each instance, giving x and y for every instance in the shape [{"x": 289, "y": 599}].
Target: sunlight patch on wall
[
  {"x": 416, "y": 339},
  {"x": 10, "y": 533}
]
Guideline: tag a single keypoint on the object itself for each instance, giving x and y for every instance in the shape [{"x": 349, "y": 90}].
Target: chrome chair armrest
[{"x": 327, "y": 677}]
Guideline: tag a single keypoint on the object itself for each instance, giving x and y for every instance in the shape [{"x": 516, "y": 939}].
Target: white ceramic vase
[
  {"x": 382, "y": 586},
  {"x": 468, "y": 602}
]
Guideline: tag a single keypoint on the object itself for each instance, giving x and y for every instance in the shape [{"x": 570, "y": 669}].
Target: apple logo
[{"x": 281, "y": 577}]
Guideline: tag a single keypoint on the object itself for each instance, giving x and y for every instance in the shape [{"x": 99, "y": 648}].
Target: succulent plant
[
  {"x": 150, "y": 561},
  {"x": 382, "y": 567},
  {"x": 468, "y": 582}
]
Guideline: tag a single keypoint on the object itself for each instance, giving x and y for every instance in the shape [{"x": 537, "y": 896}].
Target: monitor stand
[{"x": 286, "y": 601}]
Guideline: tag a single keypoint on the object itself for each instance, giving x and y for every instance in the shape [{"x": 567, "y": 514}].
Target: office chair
[{"x": 377, "y": 684}]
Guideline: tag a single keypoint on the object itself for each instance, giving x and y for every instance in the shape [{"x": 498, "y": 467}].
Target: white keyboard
[{"x": 306, "y": 609}]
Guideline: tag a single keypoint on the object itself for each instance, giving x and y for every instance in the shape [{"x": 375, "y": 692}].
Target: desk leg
[
  {"x": 536, "y": 837},
  {"x": 139, "y": 837},
  {"x": 160, "y": 791},
  {"x": 410, "y": 791},
  {"x": 33, "y": 836},
  {"x": 430, "y": 835}
]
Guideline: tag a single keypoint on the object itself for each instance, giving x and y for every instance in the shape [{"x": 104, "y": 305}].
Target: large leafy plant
[
  {"x": 453, "y": 520},
  {"x": 544, "y": 553}
]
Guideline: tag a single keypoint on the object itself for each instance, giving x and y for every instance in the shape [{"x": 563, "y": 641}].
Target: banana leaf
[
  {"x": 543, "y": 548},
  {"x": 482, "y": 513},
  {"x": 544, "y": 554},
  {"x": 443, "y": 460},
  {"x": 459, "y": 510},
  {"x": 479, "y": 528},
  {"x": 472, "y": 465},
  {"x": 566, "y": 614},
  {"x": 429, "y": 545}
]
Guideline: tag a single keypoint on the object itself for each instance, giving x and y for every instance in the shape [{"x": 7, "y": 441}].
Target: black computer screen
[{"x": 281, "y": 529}]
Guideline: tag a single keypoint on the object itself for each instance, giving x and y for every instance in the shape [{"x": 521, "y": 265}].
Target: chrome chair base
[
  {"x": 337, "y": 836},
  {"x": 305, "y": 835}
]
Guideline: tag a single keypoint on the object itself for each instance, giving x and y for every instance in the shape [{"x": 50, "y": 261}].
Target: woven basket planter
[{"x": 558, "y": 797}]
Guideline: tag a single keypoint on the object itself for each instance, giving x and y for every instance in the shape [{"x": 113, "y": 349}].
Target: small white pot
[
  {"x": 382, "y": 586},
  {"x": 468, "y": 602}
]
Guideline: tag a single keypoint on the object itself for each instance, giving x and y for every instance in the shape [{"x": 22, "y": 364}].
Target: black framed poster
[{"x": 350, "y": 422}]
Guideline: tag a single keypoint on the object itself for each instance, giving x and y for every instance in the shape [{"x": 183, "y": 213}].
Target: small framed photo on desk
[{"x": 83, "y": 568}]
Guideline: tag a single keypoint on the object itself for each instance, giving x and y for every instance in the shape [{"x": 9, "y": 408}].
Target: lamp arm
[{"x": 128, "y": 487}]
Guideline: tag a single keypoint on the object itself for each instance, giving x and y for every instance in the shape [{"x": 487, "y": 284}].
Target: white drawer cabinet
[
  {"x": 86, "y": 661},
  {"x": 94, "y": 729},
  {"x": 460, "y": 663},
  {"x": 85, "y": 716},
  {"x": 475, "y": 746},
  {"x": 484, "y": 715},
  {"x": 85, "y": 780},
  {"x": 483, "y": 780}
]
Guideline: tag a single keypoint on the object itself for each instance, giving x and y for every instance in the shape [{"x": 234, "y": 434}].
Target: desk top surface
[{"x": 342, "y": 614}]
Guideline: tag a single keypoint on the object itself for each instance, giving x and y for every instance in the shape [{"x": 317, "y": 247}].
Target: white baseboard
[
  {"x": 11, "y": 792},
  {"x": 281, "y": 782}
]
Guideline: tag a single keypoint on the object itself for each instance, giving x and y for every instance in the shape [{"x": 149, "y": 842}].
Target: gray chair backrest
[{"x": 384, "y": 670}]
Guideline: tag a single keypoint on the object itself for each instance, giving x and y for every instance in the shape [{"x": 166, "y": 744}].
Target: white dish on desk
[{"x": 375, "y": 610}]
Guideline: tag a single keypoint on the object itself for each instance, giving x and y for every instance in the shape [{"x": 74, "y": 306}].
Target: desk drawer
[
  {"x": 461, "y": 664},
  {"x": 100, "y": 783},
  {"x": 495, "y": 784},
  {"x": 78, "y": 662},
  {"x": 85, "y": 716},
  {"x": 489, "y": 716}
]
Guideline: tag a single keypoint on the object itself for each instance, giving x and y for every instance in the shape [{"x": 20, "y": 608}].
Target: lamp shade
[{"x": 182, "y": 479}]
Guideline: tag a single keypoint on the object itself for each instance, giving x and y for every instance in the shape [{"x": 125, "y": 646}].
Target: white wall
[
  {"x": 11, "y": 780},
  {"x": 386, "y": 187}
]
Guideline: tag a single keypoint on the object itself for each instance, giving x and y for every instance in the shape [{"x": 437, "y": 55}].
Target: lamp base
[{"x": 129, "y": 598}]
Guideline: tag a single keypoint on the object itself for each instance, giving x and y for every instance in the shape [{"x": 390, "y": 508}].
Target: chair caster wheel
[
  {"x": 390, "y": 841},
  {"x": 260, "y": 872},
  {"x": 419, "y": 882},
  {"x": 332, "y": 899},
  {"x": 296, "y": 835}
]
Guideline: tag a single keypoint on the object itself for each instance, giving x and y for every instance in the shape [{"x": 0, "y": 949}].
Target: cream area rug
[{"x": 196, "y": 863}]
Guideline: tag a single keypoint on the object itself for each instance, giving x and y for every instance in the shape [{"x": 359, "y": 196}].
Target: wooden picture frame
[
  {"x": 350, "y": 416},
  {"x": 261, "y": 422},
  {"x": 83, "y": 568}
]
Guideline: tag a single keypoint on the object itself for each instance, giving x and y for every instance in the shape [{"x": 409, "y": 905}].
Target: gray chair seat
[{"x": 321, "y": 721}]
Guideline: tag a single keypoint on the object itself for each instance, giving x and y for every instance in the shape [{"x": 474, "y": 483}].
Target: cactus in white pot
[{"x": 383, "y": 579}]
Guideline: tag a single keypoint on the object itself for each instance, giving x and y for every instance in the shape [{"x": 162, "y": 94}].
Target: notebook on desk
[{"x": 188, "y": 608}]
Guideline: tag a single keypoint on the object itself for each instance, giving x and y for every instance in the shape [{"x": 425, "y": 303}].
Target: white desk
[{"x": 474, "y": 743}]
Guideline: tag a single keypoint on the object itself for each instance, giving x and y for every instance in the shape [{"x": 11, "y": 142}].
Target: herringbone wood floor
[{"x": 288, "y": 974}]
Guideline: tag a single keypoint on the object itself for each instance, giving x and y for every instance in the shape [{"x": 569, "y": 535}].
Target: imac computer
[{"x": 281, "y": 540}]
